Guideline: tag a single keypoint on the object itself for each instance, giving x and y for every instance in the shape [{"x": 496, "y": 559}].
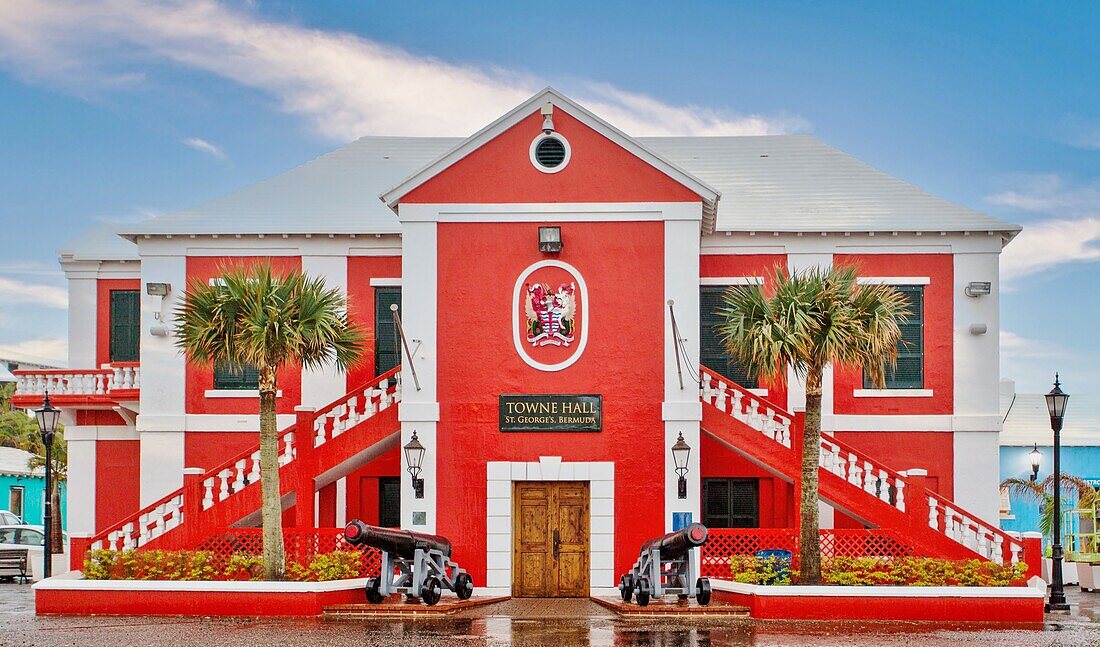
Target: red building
[{"x": 537, "y": 266}]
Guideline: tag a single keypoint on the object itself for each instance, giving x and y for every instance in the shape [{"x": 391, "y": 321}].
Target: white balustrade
[
  {"x": 742, "y": 405},
  {"x": 91, "y": 382}
]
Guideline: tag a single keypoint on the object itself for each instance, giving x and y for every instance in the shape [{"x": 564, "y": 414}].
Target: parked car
[
  {"x": 22, "y": 535},
  {"x": 8, "y": 518},
  {"x": 32, "y": 539}
]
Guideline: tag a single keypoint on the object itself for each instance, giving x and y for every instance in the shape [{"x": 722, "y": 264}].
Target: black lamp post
[
  {"x": 1056, "y": 407},
  {"x": 414, "y": 458},
  {"x": 1036, "y": 459},
  {"x": 47, "y": 424},
  {"x": 680, "y": 452}
]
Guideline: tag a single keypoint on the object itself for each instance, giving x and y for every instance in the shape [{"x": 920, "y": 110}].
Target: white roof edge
[{"x": 709, "y": 194}]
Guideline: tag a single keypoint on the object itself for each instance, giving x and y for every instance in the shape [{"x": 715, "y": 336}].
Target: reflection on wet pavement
[{"x": 526, "y": 623}]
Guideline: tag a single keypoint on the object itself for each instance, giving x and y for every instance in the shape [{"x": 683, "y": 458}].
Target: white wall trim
[
  {"x": 892, "y": 393},
  {"x": 521, "y": 349},
  {"x": 379, "y": 282},
  {"x": 552, "y": 211},
  {"x": 894, "y": 280},
  {"x": 731, "y": 280},
  {"x": 905, "y": 422},
  {"x": 73, "y": 581},
  {"x": 880, "y": 591},
  {"x": 500, "y": 476},
  {"x": 237, "y": 393}
]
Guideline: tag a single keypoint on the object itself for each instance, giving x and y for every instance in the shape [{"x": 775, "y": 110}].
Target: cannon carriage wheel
[
  {"x": 702, "y": 591},
  {"x": 626, "y": 587},
  {"x": 464, "y": 586},
  {"x": 433, "y": 589},
  {"x": 643, "y": 591},
  {"x": 374, "y": 596}
]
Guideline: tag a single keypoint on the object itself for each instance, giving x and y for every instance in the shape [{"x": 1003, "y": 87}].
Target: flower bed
[
  {"x": 880, "y": 571},
  {"x": 207, "y": 566}
]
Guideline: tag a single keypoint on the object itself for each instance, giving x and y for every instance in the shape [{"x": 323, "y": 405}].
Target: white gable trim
[{"x": 709, "y": 194}]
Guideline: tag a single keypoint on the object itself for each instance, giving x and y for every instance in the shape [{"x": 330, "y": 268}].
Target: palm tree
[
  {"x": 254, "y": 316},
  {"x": 807, "y": 320},
  {"x": 1042, "y": 492}
]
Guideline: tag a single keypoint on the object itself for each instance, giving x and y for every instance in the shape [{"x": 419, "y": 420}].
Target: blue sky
[{"x": 119, "y": 109}]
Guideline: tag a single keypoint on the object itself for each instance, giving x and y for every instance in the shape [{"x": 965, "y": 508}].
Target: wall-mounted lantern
[
  {"x": 414, "y": 458},
  {"x": 1036, "y": 459},
  {"x": 978, "y": 288},
  {"x": 680, "y": 452},
  {"x": 550, "y": 240}
]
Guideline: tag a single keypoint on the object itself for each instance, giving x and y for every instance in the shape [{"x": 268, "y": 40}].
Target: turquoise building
[
  {"x": 21, "y": 491},
  {"x": 1026, "y": 428}
]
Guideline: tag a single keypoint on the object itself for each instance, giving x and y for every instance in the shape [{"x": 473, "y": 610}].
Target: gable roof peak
[{"x": 707, "y": 193}]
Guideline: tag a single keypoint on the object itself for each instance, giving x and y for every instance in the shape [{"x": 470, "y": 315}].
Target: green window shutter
[
  {"x": 712, "y": 353},
  {"x": 125, "y": 326},
  {"x": 731, "y": 503},
  {"x": 909, "y": 372},
  {"x": 389, "y": 501},
  {"x": 232, "y": 378},
  {"x": 387, "y": 347}
]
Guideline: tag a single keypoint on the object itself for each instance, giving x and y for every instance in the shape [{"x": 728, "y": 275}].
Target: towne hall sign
[{"x": 551, "y": 412}]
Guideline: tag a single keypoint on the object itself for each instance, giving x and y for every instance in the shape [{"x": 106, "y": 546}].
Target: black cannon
[
  {"x": 666, "y": 565},
  {"x": 415, "y": 564}
]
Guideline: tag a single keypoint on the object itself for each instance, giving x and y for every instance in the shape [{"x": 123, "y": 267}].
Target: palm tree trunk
[
  {"x": 809, "y": 571},
  {"x": 271, "y": 510}
]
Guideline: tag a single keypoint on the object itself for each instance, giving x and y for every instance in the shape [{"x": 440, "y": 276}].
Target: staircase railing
[
  {"x": 862, "y": 472},
  {"x": 242, "y": 470}
]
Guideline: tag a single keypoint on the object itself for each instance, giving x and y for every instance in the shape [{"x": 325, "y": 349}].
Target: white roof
[
  {"x": 768, "y": 183},
  {"x": 14, "y": 461},
  {"x": 100, "y": 242},
  {"x": 1026, "y": 421}
]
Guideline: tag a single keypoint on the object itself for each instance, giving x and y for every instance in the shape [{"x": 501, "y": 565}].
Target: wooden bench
[{"x": 14, "y": 563}]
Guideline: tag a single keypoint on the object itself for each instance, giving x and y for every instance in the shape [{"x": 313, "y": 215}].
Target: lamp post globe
[
  {"x": 1056, "y": 407},
  {"x": 47, "y": 418}
]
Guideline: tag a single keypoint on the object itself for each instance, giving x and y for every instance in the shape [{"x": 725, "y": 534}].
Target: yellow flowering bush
[
  {"x": 882, "y": 571},
  {"x": 207, "y": 566}
]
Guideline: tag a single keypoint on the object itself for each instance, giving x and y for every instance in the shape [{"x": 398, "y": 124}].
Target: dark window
[
  {"x": 731, "y": 503},
  {"x": 712, "y": 353},
  {"x": 125, "y": 325},
  {"x": 909, "y": 372},
  {"x": 15, "y": 500},
  {"x": 389, "y": 501},
  {"x": 387, "y": 347},
  {"x": 227, "y": 377}
]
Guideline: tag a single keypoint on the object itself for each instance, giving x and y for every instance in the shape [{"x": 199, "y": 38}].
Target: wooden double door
[{"x": 550, "y": 537}]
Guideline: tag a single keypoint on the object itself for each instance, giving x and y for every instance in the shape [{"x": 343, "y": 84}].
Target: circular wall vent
[{"x": 550, "y": 152}]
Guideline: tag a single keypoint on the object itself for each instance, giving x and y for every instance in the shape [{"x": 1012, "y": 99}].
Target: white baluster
[
  {"x": 397, "y": 388},
  {"x": 137, "y": 377},
  {"x": 254, "y": 475},
  {"x": 785, "y": 432},
  {"x": 369, "y": 406},
  {"x": 288, "y": 449},
  {"x": 383, "y": 395},
  {"x": 869, "y": 479},
  {"x": 208, "y": 493},
  {"x": 339, "y": 424},
  {"x": 353, "y": 411},
  {"x": 223, "y": 484},
  {"x": 933, "y": 514},
  {"x": 734, "y": 398},
  {"x": 883, "y": 486},
  {"x": 1015, "y": 549},
  {"x": 319, "y": 431},
  {"x": 900, "y": 497},
  {"x": 239, "y": 474},
  {"x": 855, "y": 474}
]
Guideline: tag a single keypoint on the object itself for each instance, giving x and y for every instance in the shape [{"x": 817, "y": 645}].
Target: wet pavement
[{"x": 544, "y": 623}]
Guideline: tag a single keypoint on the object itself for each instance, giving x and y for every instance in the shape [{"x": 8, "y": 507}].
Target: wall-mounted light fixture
[
  {"x": 550, "y": 240},
  {"x": 158, "y": 289},
  {"x": 547, "y": 117},
  {"x": 978, "y": 288},
  {"x": 680, "y": 452},
  {"x": 1036, "y": 459},
  {"x": 414, "y": 458}
]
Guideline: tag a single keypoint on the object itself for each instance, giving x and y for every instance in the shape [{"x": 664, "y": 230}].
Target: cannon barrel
[
  {"x": 402, "y": 543},
  {"x": 676, "y": 544}
]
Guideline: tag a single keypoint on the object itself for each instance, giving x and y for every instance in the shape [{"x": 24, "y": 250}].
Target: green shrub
[
  {"x": 884, "y": 571},
  {"x": 206, "y": 566}
]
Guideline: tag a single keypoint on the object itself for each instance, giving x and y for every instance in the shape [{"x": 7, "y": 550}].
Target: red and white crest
[{"x": 550, "y": 317}]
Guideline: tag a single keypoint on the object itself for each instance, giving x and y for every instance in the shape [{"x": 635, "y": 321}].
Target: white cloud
[
  {"x": 1067, "y": 233},
  {"x": 204, "y": 146},
  {"x": 343, "y": 85},
  {"x": 51, "y": 349},
  {"x": 19, "y": 292}
]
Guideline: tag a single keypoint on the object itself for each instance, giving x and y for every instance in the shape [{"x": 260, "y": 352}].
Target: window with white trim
[{"x": 909, "y": 371}]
